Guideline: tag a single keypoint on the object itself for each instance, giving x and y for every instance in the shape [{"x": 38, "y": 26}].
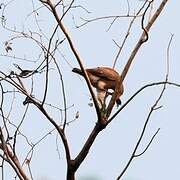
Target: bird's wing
[{"x": 104, "y": 72}]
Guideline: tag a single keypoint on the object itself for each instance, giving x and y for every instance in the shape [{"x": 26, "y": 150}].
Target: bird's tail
[{"x": 78, "y": 71}]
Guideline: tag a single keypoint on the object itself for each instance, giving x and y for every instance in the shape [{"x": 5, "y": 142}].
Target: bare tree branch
[
  {"x": 153, "y": 108},
  {"x": 47, "y": 57},
  {"x": 142, "y": 39},
  {"x": 142, "y": 133},
  {"x": 127, "y": 34},
  {"x": 49, "y": 3}
]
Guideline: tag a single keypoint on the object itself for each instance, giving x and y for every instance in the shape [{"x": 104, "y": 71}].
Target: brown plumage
[{"x": 103, "y": 78}]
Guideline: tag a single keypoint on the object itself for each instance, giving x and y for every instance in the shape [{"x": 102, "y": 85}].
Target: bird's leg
[
  {"x": 102, "y": 100},
  {"x": 101, "y": 96}
]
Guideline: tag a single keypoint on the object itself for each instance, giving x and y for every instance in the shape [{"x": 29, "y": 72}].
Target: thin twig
[
  {"x": 140, "y": 154},
  {"x": 86, "y": 21},
  {"x": 127, "y": 34},
  {"x": 47, "y": 66}
]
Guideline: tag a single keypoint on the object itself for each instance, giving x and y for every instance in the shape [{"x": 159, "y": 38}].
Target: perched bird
[
  {"x": 25, "y": 72},
  {"x": 103, "y": 78}
]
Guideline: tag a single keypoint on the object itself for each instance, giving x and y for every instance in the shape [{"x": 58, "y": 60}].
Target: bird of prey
[{"x": 103, "y": 79}]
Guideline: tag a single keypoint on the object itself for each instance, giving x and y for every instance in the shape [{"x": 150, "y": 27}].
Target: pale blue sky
[{"x": 114, "y": 145}]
